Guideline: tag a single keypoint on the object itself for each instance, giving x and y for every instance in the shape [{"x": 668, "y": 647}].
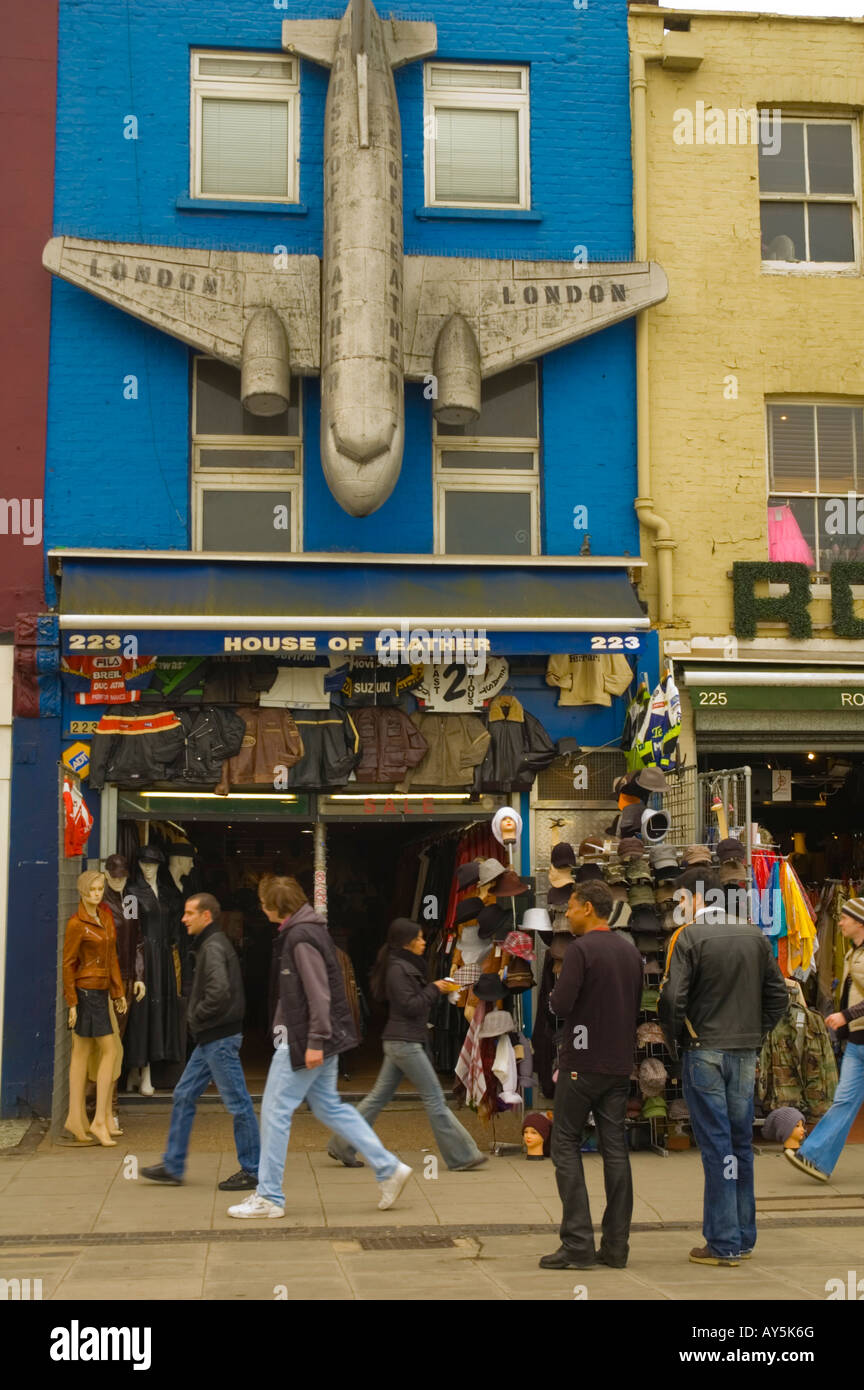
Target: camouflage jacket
[{"x": 797, "y": 1066}]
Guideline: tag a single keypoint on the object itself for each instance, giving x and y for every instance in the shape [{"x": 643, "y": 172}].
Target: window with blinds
[
  {"x": 476, "y": 125},
  {"x": 245, "y": 128},
  {"x": 815, "y": 477}
]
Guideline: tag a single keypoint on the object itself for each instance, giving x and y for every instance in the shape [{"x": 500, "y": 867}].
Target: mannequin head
[
  {"x": 180, "y": 863},
  {"x": 536, "y": 1134},
  {"x": 91, "y": 889},
  {"x": 149, "y": 859},
  {"x": 784, "y": 1126},
  {"x": 117, "y": 871},
  {"x": 150, "y": 872}
]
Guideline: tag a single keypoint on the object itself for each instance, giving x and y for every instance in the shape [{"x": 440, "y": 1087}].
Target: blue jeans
[
  {"x": 217, "y": 1061},
  {"x": 824, "y": 1146},
  {"x": 412, "y": 1060},
  {"x": 718, "y": 1089},
  {"x": 285, "y": 1090}
]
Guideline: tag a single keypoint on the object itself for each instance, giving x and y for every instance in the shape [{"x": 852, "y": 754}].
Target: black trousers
[{"x": 576, "y": 1094}]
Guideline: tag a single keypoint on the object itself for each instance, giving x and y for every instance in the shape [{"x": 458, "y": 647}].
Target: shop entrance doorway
[{"x": 375, "y": 871}]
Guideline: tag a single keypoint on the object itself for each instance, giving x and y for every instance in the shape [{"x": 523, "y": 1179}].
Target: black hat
[
  {"x": 557, "y": 897},
  {"x": 467, "y": 874},
  {"x": 586, "y": 871},
  {"x": 562, "y": 855},
  {"x": 494, "y": 923},
  {"x": 644, "y": 918},
  {"x": 731, "y": 849},
  {"x": 489, "y": 987},
  {"x": 150, "y": 854},
  {"x": 631, "y": 821},
  {"x": 467, "y": 910}
]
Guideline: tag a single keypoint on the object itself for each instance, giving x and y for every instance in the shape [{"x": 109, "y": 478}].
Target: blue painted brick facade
[{"x": 118, "y": 468}]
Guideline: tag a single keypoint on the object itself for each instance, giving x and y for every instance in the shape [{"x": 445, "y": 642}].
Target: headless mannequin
[
  {"x": 76, "y": 1118},
  {"x": 139, "y": 990},
  {"x": 141, "y": 1079}
]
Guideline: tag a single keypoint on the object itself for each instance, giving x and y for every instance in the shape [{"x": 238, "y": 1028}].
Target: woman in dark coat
[{"x": 399, "y": 978}]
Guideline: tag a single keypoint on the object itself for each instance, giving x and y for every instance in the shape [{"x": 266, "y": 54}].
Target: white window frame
[
  {"x": 246, "y": 480},
  {"x": 478, "y": 98},
  {"x": 249, "y": 89},
  {"x": 469, "y": 479},
  {"x": 851, "y": 403},
  {"x": 852, "y": 267}
]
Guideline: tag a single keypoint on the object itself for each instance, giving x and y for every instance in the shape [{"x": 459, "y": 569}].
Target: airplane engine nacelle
[
  {"x": 265, "y": 376},
  {"x": 456, "y": 365}
]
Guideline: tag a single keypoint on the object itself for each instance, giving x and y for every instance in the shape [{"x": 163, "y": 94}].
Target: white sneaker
[
  {"x": 256, "y": 1206},
  {"x": 392, "y": 1186}
]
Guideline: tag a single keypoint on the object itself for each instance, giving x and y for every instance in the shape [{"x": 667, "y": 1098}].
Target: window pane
[
  {"x": 247, "y": 458},
  {"x": 246, "y": 521},
  {"x": 784, "y": 542},
  {"x": 508, "y": 407},
  {"x": 245, "y": 68},
  {"x": 835, "y": 426},
  {"x": 838, "y": 539},
  {"x": 793, "y": 447},
  {"x": 477, "y": 156},
  {"x": 783, "y": 232},
  {"x": 476, "y": 77},
  {"x": 477, "y": 458},
  {"x": 219, "y": 410},
  {"x": 831, "y": 236},
  {"x": 487, "y": 523},
  {"x": 829, "y": 158},
  {"x": 245, "y": 147},
  {"x": 783, "y": 172}
]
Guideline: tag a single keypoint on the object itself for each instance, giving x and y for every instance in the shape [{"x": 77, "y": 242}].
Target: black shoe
[
  {"x": 562, "y": 1260},
  {"x": 354, "y": 1162},
  {"x": 239, "y": 1182},
  {"x": 604, "y": 1259},
  {"x": 159, "y": 1173}
]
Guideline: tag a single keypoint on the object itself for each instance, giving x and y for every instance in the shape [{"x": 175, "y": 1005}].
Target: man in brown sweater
[{"x": 598, "y": 995}]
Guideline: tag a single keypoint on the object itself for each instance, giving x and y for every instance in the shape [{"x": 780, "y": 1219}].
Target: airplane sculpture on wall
[{"x": 367, "y": 317}]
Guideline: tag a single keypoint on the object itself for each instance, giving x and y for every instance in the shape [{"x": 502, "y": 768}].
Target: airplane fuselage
[{"x": 362, "y": 395}]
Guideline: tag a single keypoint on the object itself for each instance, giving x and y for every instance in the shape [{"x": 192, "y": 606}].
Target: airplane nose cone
[
  {"x": 361, "y": 487},
  {"x": 364, "y": 434}
]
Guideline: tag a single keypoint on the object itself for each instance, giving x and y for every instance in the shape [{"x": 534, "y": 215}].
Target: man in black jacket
[
  {"x": 721, "y": 996},
  {"x": 598, "y": 995},
  {"x": 215, "y": 1018}
]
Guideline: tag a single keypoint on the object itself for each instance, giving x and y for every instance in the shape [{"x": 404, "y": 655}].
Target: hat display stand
[{"x": 501, "y": 1148}]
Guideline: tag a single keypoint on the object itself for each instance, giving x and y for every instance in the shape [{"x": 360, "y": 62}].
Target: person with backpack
[
  {"x": 312, "y": 1026},
  {"x": 818, "y": 1155},
  {"x": 721, "y": 995},
  {"x": 399, "y": 978}
]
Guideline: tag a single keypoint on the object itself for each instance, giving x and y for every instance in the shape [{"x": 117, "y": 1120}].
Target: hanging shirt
[
  {"x": 588, "y": 680},
  {"x": 108, "y": 679},
  {"x": 305, "y": 684},
  {"x": 453, "y": 689},
  {"x": 367, "y": 683}
]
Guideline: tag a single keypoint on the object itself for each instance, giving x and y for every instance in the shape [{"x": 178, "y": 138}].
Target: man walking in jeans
[
  {"x": 722, "y": 994},
  {"x": 312, "y": 1025},
  {"x": 215, "y": 1018},
  {"x": 598, "y": 995}
]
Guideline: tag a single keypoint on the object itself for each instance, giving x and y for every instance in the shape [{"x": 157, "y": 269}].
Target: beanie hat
[
  {"x": 562, "y": 855},
  {"x": 780, "y": 1124},
  {"x": 588, "y": 871},
  {"x": 542, "y": 1124},
  {"x": 854, "y": 907}
]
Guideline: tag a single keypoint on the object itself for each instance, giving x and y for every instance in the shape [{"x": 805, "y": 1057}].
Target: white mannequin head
[
  {"x": 180, "y": 865},
  {"x": 151, "y": 874}
]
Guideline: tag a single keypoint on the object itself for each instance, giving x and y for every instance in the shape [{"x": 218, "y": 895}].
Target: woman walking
[{"x": 399, "y": 978}]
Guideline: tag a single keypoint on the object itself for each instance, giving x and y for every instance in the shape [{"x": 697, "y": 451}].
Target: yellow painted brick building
[{"x": 735, "y": 331}]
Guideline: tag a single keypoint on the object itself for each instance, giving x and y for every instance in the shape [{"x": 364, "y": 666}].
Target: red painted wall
[{"x": 28, "y": 70}]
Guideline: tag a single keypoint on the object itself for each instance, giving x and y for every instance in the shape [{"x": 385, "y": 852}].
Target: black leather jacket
[
  {"x": 217, "y": 1002},
  {"x": 410, "y": 996},
  {"x": 722, "y": 989}
]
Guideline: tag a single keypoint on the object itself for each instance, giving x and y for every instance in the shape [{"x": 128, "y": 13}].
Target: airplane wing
[
  {"x": 204, "y": 298},
  {"x": 518, "y": 310}
]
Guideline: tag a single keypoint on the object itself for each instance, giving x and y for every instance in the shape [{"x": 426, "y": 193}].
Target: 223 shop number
[
  {"x": 614, "y": 644},
  {"x": 100, "y": 642}
]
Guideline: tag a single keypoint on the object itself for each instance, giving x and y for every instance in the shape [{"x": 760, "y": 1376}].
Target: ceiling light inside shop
[
  {"x": 409, "y": 796},
  {"x": 211, "y": 796},
  {"x": 812, "y": 757}
]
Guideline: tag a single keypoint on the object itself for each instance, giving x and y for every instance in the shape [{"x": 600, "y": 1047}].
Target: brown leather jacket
[
  {"x": 272, "y": 741},
  {"x": 90, "y": 955},
  {"x": 389, "y": 744}
]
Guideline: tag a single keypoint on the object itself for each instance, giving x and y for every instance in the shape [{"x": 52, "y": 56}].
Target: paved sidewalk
[{"x": 84, "y": 1223}]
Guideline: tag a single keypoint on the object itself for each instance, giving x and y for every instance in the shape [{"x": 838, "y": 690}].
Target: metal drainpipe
[{"x": 644, "y": 502}]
